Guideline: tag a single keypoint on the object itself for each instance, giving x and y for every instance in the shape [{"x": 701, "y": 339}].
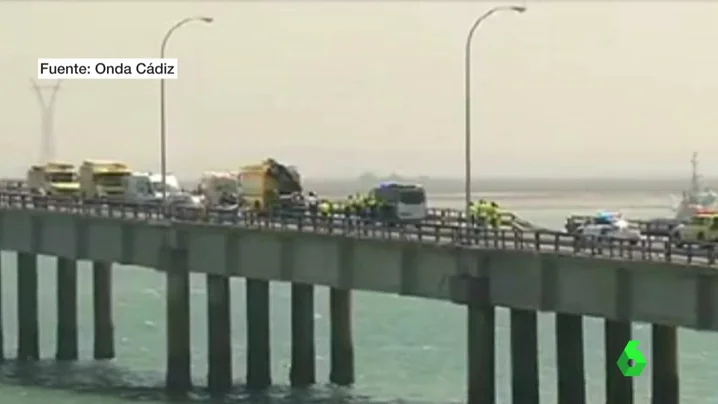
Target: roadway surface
[{"x": 453, "y": 231}]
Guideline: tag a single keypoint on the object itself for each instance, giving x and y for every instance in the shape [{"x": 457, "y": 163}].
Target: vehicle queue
[{"x": 265, "y": 188}]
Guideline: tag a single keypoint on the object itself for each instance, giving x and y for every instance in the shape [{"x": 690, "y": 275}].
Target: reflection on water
[{"x": 107, "y": 379}]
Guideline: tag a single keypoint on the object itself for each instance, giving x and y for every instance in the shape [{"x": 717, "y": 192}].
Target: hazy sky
[{"x": 565, "y": 89}]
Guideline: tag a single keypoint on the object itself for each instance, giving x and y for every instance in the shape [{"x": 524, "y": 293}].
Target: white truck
[
  {"x": 53, "y": 178},
  {"x": 219, "y": 189},
  {"x": 103, "y": 179},
  {"x": 147, "y": 187}
]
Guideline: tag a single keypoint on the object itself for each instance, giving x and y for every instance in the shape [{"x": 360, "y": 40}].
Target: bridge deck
[{"x": 548, "y": 271}]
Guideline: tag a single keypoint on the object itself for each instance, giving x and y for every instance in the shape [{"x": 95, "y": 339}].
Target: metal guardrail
[{"x": 649, "y": 249}]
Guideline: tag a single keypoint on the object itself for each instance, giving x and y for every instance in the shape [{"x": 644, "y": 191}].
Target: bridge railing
[
  {"x": 443, "y": 215},
  {"x": 457, "y": 233}
]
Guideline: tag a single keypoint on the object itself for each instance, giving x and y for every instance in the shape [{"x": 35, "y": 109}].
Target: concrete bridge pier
[
  {"x": 28, "y": 331},
  {"x": 219, "y": 377},
  {"x": 619, "y": 388},
  {"x": 665, "y": 365},
  {"x": 2, "y": 332},
  {"x": 524, "y": 356},
  {"x": 569, "y": 358},
  {"x": 302, "y": 372},
  {"x": 259, "y": 371},
  {"x": 66, "y": 347},
  {"x": 341, "y": 370},
  {"x": 481, "y": 349},
  {"x": 104, "y": 343},
  {"x": 178, "y": 372}
]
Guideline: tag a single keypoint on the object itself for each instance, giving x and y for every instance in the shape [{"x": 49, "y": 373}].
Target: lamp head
[
  {"x": 208, "y": 20},
  {"x": 518, "y": 9}
]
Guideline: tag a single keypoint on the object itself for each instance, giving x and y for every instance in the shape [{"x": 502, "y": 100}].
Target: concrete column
[
  {"x": 104, "y": 344},
  {"x": 303, "y": 368},
  {"x": 219, "y": 334},
  {"x": 481, "y": 328},
  {"x": 259, "y": 373},
  {"x": 342, "y": 346},
  {"x": 665, "y": 384},
  {"x": 569, "y": 355},
  {"x": 2, "y": 332},
  {"x": 178, "y": 376},
  {"x": 524, "y": 357},
  {"x": 619, "y": 388},
  {"x": 28, "y": 331},
  {"x": 66, "y": 310}
]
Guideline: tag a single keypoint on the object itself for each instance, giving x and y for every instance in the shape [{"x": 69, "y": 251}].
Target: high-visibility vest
[{"x": 476, "y": 209}]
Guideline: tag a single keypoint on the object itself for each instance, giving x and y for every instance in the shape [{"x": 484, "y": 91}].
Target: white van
[
  {"x": 404, "y": 202},
  {"x": 148, "y": 187}
]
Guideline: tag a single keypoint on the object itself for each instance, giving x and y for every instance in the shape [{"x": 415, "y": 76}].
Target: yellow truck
[
  {"x": 702, "y": 227},
  {"x": 53, "y": 178},
  {"x": 103, "y": 179},
  {"x": 270, "y": 185}
]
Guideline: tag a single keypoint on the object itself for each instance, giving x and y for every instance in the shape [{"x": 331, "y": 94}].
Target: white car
[{"x": 618, "y": 229}]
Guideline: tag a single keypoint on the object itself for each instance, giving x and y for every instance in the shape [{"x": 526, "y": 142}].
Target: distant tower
[
  {"x": 47, "y": 114},
  {"x": 695, "y": 177}
]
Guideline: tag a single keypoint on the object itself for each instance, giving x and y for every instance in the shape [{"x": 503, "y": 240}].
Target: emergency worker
[
  {"x": 360, "y": 208},
  {"x": 357, "y": 205},
  {"x": 348, "y": 211},
  {"x": 493, "y": 214},
  {"x": 480, "y": 213},
  {"x": 325, "y": 209},
  {"x": 474, "y": 212}
]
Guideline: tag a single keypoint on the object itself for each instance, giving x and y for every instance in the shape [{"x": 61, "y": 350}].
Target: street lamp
[
  {"x": 467, "y": 98},
  {"x": 163, "y": 117}
]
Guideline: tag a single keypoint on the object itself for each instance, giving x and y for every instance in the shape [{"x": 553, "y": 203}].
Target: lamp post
[
  {"x": 467, "y": 98},
  {"x": 163, "y": 115}
]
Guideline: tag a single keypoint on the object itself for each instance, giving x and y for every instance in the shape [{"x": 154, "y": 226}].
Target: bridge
[{"x": 526, "y": 271}]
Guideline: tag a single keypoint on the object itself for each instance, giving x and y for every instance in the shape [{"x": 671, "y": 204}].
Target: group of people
[
  {"x": 485, "y": 213},
  {"x": 354, "y": 205}
]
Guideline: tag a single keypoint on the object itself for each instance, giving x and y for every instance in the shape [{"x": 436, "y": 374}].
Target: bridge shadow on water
[{"x": 108, "y": 379}]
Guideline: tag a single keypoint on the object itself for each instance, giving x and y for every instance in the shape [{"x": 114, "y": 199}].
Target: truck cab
[
  {"x": 101, "y": 179},
  {"x": 53, "y": 178},
  {"x": 270, "y": 185}
]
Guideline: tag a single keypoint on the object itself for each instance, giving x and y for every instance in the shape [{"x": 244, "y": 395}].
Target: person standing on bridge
[
  {"x": 325, "y": 210},
  {"x": 494, "y": 215},
  {"x": 313, "y": 207},
  {"x": 478, "y": 213},
  {"x": 348, "y": 210}
]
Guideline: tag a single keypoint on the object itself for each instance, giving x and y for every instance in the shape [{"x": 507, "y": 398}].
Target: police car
[{"x": 609, "y": 225}]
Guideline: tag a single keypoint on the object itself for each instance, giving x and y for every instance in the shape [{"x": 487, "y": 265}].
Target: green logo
[{"x": 631, "y": 353}]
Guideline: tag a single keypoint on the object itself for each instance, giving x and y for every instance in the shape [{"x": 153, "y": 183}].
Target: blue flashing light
[
  {"x": 387, "y": 184},
  {"x": 607, "y": 215}
]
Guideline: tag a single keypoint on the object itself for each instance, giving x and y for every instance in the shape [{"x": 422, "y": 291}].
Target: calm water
[{"x": 400, "y": 355}]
